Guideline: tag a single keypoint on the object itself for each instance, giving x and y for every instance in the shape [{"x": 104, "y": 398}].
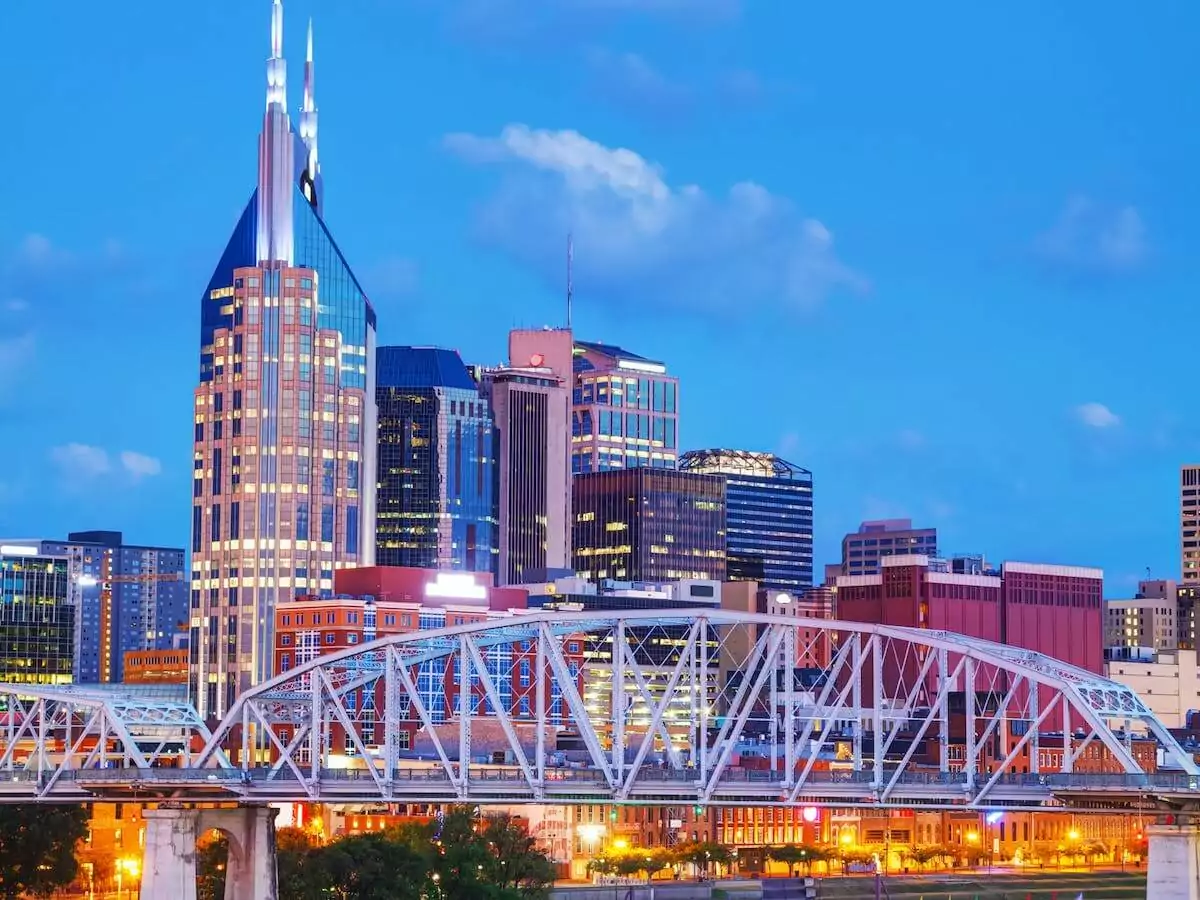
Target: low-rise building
[{"x": 1167, "y": 681}]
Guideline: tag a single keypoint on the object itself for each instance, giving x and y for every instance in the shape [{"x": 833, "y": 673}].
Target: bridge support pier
[
  {"x": 169, "y": 862},
  {"x": 1174, "y": 871}
]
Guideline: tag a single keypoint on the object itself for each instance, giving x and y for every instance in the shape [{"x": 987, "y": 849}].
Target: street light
[{"x": 128, "y": 866}]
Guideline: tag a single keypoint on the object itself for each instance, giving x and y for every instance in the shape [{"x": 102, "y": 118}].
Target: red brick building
[
  {"x": 379, "y": 602},
  {"x": 1055, "y": 610}
]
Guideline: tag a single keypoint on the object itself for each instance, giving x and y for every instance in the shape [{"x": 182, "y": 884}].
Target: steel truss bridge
[{"x": 692, "y": 706}]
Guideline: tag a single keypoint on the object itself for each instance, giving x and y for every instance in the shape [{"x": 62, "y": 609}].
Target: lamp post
[{"x": 127, "y": 866}]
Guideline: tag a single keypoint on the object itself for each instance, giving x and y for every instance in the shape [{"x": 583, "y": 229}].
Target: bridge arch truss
[{"x": 697, "y": 706}]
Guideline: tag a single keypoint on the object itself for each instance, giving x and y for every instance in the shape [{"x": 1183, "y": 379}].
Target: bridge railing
[{"x": 1159, "y": 781}]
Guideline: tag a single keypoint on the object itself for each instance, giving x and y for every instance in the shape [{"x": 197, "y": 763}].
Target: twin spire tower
[
  {"x": 284, "y": 156},
  {"x": 283, "y": 490}
]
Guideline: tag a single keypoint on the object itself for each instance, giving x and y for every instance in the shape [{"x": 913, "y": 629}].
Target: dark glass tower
[
  {"x": 645, "y": 524},
  {"x": 37, "y": 617},
  {"x": 769, "y": 516},
  {"x": 436, "y": 468},
  {"x": 284, "y": 428}
]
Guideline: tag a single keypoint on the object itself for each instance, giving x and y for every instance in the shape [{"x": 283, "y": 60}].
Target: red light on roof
[{"x": 536, "y": 360}]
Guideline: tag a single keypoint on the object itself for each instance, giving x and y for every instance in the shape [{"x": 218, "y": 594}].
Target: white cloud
[
  {"x": 630, "y": 80},
  {"x": 16, "y": 354},
  {"x": 81, "y": 460},
  {"x": 1097, "y": 415},
  {"x": 1089, "y": 236},
  {"x": 36, "y": 250},
  {"x": 15, "y": 305},
  {"x": 139, "y": 466},
  {"x": 638, "y": 237}
]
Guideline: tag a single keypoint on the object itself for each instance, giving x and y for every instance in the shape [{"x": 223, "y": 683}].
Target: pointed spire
[
  {"x": 276, "y": 65},
  {"x": 311, "y": 183},
  {"x": 277, "y": 30},
  {"x": 275, "y": 159}
]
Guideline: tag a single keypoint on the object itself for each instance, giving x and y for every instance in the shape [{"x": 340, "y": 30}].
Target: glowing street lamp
[{"x": 130, "y": 866}]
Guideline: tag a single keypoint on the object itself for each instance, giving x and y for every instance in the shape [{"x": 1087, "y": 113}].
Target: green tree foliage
[
  {"x": 796, "y": 855},
  {"x": 37, "y": 848},
  {"x": 212, "y": 855},
  {"x": 369, "y": 867},
  {"x": 302, "y": 873},
  {"x": 466, "y": 857}
]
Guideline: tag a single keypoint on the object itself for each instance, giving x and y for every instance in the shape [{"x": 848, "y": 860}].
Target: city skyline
[{"x": 1013, "y": 423}]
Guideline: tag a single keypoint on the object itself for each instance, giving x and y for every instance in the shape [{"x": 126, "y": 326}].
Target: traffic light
[
  {"x": 612, "y": 814},
  {"x": 698, "y": 810}
]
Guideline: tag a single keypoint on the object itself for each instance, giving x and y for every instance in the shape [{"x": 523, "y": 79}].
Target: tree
[
  {"x": 791, "y": 855},
  {"x": 602, "y": 865},
  {"x": 704, "y": 854},
  {"x": 302, "y": 873},
  {"x": 513, "y": 860},
  {"x": 922, "y": 856},
  {"x": 371, "y": 867},
  {"x": 97, "y": 866},
  {"x": 655, "y": 861},
  {"x": 37, "y": 848},
  {"x": 212, "y": 856}
]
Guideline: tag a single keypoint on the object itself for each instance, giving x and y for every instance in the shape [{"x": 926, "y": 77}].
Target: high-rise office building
[
  {"x": 652, "y": 525},
  {"x": 130, "y": 598},
  {"x": 768, "y": 516},
  {"x": 1189, "y": 523},
  {"x": 39, "y": 628},
  {"x": 531, "y": 410},
  {"x": 285, "y": 411},
  {"x": 864, "y": 550},
  {"x": 626, "y": 411},
  {"x": 436, "y": 480}
]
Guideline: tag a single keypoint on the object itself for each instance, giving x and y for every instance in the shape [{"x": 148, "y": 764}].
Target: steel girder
[
  {"x": 50, "y": 733},
  {"x": 698, "y": 705}
]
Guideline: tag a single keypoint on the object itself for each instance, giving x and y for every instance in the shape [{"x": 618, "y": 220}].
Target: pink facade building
[
  {"x": 1054, "y": 610},
  {"x": 285, "y": 417},
  {"x": 624, "y": 406}
]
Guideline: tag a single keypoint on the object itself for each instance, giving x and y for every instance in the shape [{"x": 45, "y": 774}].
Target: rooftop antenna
[{"x": 570, "y": 283}]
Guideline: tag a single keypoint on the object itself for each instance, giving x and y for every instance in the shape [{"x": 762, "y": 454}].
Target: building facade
[
  {"x": 130, "y": 598},
  {"x": 377, "y": 602},
  {"x": 625, "y": 411},
  {"x": 1054, "y": 610},
  {"x": 768, "y": 516},
  {"x": 1189, "y": 523},
  {"x": 167, "y": 666},
  {"x": 531, "y": 410},
  {"x": 1140, "y": 622},
  {"x": 863, "y": 551},
  {"x": 654, "y": 525},
  {"x": 39, "y": 628},
  {"x": 437, "y": 470},
  {"x": 285, "y": 417},
  {"x": 1168, "y": 681}
]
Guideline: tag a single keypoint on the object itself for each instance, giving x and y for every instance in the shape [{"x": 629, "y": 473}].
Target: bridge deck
[{"x": 507, "y": 785}]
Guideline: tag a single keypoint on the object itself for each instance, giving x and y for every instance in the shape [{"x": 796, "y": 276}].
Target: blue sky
[{"x": 940, "y": 254}]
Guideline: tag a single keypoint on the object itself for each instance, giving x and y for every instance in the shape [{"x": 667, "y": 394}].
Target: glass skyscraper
[
  {"x": 436, "y": 463},
  {"x": 644, "y": 524},
  {"x": 625, "y": 410},
  {"x": 769, "y": 516},
  {"x": 284, "y": 425},
  {"x": 38, "y": 625}
]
